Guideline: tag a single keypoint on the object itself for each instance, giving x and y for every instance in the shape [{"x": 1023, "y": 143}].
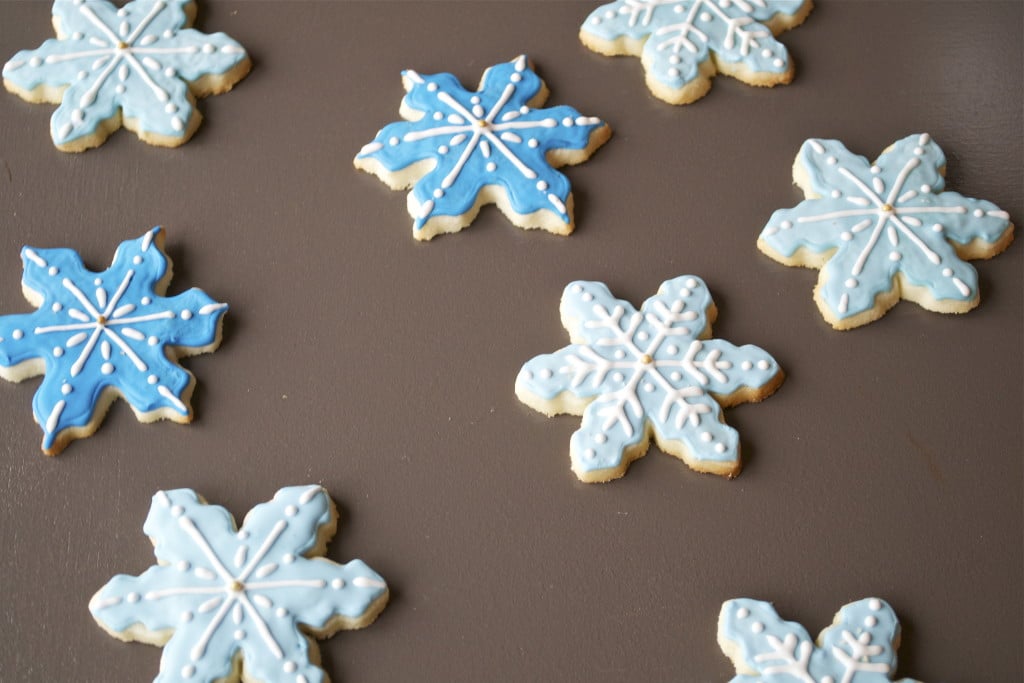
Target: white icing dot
[
  {"x": 778, "y": 63},
  {"x": 337, "y": 584},
  {"x": 619, "y": 354},
  {"x": 289, "y": 667},
  {"x": 746, "y": 365},
  {"x": 132, "y": 597},
  {"x": 97, "y": 282},
  {"x": 937, "y": 227},
  {"x": 515, "y": 78},
  {"x": 186, "y": 314},
  {"x": 870, "y": 622},
  {"x": 766, "y": 53},
  {"x": 35, "y": 61},
  {"x": 587, "y": 296},
  {"x": 438, "y": 116},
  {"x": 209, "y": 49},
  {"x": 720, "y": 447},
  {"x": 188, "y": 671},
  {"x": 828, "y": 679},
  {"x": 674, "y": 59},
  {"x": 836, "y": 194},
  {"x": 851, "y": 282},
  {"x": 576, "y": 289},
  {"x": 672, "y": 349},
  {"x": 691, "y": 283},
  {"x": 875, "y": 604},
  {"x": 78, "y": 35},
  {"x": 925, "y": 189},
  {"x": 183, "y": 566},
  {"x": 152, "y": 379},
  {"x": 864, "y": 638},
  {"x": 82, "y": 75},
  {"x": 757, "y": 627},
  {"x": 676, "y": 376},
  {"x": 152, "y": 341},
  {"x": 589, "y": 454},
  {"x": 177, "y": 511},
  {"x": 876, "y": 169},
  {"x": 947, "y": 271},
  {"x": 684, "y": 292},
  {"x": 438, "y": 193},
  {"x": 544, "y": 374},
  {"x": 17, "y": 334},
  {"x": 596, "y": 21},
  {"x": 239, "y": 634},
  {"x": 678, "y": 9},
  {"x": 58, "y": 352},
  {"x": 642, "y": 336},
  {"x": 66, "y": 389},
  {"x": 542, "y": 185},
  {"x": 617, "y": 377},
  {"x": 673, "y": 73},
  {"x": 53, "y": 270},
  {"x": 894, "y": 256},
  {"x": 524, "y": 110},
  {"x": 145, "y": 301},
  {"x": 763, "y": 365},
  {"x": 170, "y": 73},
  {"x": 706, "y": 437},
  {"x": 786, "y": 225},
  {"x": 475, "y": 99},
  {"x": 393, "y": 141},
  {"x": 432, "y": 87},
  {"x": 919, "y": 151},
  {"x": 609, "y": 14},
  {"x": 120, "y": 89},
  {"x": 648, "y": 387},
  {"x": 242, "y": 535},
  {"x": 567, "y": 121},
  {"x": 532, "y": 142},
  {"x": 846, "y": 236},
  {"x": 122, "y": 12},
  {"x": 600, "y": 438},
  {"x": 186, "y": 617},
  {"x": 287, "y": 558},
  {"x": 168, "y": 33},
  {"x": 978, "y": 213},
  {"x": 107, "y": 368},
  {"x": 491, "y": 166},
  {"x": 443, "y": 149},
  {"x": 291, "y": 511},
  {"x": 742, "y": 613},
  {"x": 831, "y": 161},
  {"x": 137, "y": 260}
]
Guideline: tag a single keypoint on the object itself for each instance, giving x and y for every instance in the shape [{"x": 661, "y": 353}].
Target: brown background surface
[{"x": 888, "y": 464}]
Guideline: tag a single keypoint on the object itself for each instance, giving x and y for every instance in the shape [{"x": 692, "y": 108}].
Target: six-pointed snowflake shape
[
  {"x": 884, "y": 231},
  {"x": 683, "y": 43},
  {"x": 654, "y": 372},
  {"x": 859, "y": 646},
  {"x": 97, "y": 336},
  {"x": 229, "y": 603},
  {"x": 140, "y": 66},
  {"x": 459, "y": 150}
]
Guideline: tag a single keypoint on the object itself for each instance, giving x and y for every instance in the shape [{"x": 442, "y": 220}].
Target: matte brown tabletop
[{"x": 888, "y": 464}]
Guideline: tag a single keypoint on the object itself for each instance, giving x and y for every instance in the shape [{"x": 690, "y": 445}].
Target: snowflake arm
[
  {"x": 138, "y": 64},
  {"x": 683, "y": 43},
  {"x": 100, "y": 335},
  {"x": 859, "y": 647},
  {"x": 458, "y": 150},
  {"x": 884, "y": 231},
  {"x": 223, "y": 599},
  {"x": 633, "y": 374}
]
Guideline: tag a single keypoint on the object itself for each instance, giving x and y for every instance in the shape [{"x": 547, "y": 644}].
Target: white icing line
[
  {"x": 212, "y": 308},
  {"x": 278, "y": 529},
  {"x": 962, "y": 286},
  {"x": 157, "y": 8},
  {"x": 138, "y": 362},
  {"x": 51, "y": 422},
  {"x": 70, "y": 286},
  {"x": 367, "y": 582},
  {"x": 309, "y": 494},
  {"x": 34, "y": 258},
  {"x": 200, "y": 646},
  {"x": 166, "y": 393},
  {"x": 147, "y": 239},
  {"x": 261, "y": 626},
  {"x": 862, "y": 259},
  {"x": 80, "y": 363}
]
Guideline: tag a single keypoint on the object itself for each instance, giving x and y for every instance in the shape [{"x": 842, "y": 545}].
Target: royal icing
[
  {"x": 653, "y": 371},
  {"x": 889, "y": 224},
  {"x": 101, "y": 332},
  {"x": 683, "y": 40},
  {"x": 859, "y": 647},
  {"x": 218, "y": 593},
  {"x": 471, "y": 140},
  {"x": 138, "y": 60}
]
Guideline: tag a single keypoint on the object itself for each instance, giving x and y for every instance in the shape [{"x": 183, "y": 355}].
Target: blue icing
[
  {"x": 139, "y": 60},
  {"x": 131, "y": 351},
  {"x": 643, "y": 373},
  {"x": 471, "y": 140},
  {"x": 885, "y": 221},
  {"x": 217, "y": 593},
  {"x": 680, "y": 37},
  {"x": 859, "y": 647}
]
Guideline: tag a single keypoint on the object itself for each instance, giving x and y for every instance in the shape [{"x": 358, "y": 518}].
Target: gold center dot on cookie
[
  {"x": 101, "y": 321},
  {"x": 646, "y": 359},
  {"x": 236, "y": 587},
  {"x": 481, "y": 123},
  {"x": 887, "y": 208},
  {"x": 121, "y": 45}
]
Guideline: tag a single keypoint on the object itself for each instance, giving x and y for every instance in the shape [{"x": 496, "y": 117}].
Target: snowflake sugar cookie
[
  {"x": 859, "y": 646},
  {"x": 684, "y": 43},
  {"x": 233, "y": 604},
  {"x": 884, "y": 231},
  {"x": 459, "y": 150},
  {"x": 654, "y": 372},
  {"x": 97, "y": 336},
  {"x": 139, "y": 66}
]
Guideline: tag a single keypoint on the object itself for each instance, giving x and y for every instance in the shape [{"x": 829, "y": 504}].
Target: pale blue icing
[
  {"x": 139, "y": 59},
  {"x": 493, "y": 136},
  {"x": 225, "y": 592},
  {"x": 860, "y": 647},
  {"x": 681, "y": 36},
  {"x": 673, "y": 395},
  {"x": 849, "y": 212},
  {"x": 129, "y": 352}
]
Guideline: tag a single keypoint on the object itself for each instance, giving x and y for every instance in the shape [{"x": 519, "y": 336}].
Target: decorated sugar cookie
[
  {"x": 859, "y": 646},
  {"x": 139, "y": 66},
  {"x": 230, "y": 604},
  {"x": 684, "y": 43},
  {"x": 97, "y": 336},
  {"x": 656, "y": 372},
  {"x": 459, "y": 150},
  {"x": 885, "y": 231}
]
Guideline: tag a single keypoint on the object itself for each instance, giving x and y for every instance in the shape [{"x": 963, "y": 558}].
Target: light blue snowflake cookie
[
  {"x": 656, "y": 372},
  {"x": 139, "y": 66},
  {"x": 459, "y": 150},
  {"x": 230, "y": 604},
  {"x": 97, "y": 336},
  {"x": 885, "y": 231},
  {"x": 859, "y": 646},
  {"x": 684, "y": 43}
]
